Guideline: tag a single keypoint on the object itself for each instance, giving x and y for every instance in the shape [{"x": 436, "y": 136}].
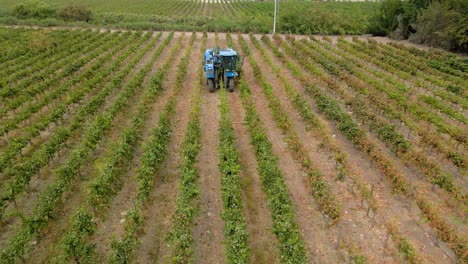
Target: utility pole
[{"x": 274, "y": 20}]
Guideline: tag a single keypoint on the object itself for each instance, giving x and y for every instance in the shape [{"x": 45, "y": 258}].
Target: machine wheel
[
  {"x": 215, "y": 83},
  {"x": 231, "y": 85},
  {"x": 211, "y": 84}
]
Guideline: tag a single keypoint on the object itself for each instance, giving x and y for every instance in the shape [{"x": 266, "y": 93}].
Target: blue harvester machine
[{"x": 221, "y": 65}]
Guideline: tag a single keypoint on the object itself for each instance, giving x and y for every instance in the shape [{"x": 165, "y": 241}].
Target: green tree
[
  {"x": 443, "y": 25},
  {"x": 386, "y": 19}
]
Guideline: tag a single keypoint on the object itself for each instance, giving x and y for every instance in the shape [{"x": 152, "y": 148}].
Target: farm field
[
  {"x": 217, "y": 15},
  {"x": 329, "y": 150}
]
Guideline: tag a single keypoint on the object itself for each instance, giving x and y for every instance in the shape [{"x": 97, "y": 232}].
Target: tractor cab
[
  {"x": 221, "y": 65},
  {"x": 229, "y": 60}
]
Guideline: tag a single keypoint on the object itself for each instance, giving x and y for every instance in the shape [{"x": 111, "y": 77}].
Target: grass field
[
  {"x": 339, "y": 150},
  {"x": 220, "y": 15}
]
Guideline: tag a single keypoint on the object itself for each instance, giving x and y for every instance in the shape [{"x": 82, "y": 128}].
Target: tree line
[{"x": 436, "y": 23}]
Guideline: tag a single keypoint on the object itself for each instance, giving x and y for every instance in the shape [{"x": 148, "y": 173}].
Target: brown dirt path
[
  {"x": 318, "y": 240},
  {"x": 209, "y": 227}
]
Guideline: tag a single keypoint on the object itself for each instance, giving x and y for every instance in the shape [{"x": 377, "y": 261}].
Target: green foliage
[
  {"x": 386, "y": 20},
  {"x": 109, "y": 181},
  {"x": 455, "y": 89},
  {"x": 154, "y": 155},
  {"x": 399, "y": 60},
  {"x": 105, "y": 186},
  {"x": 443, "y": 107},
  {"x": 155, "y": 148},
  {"x": 74, "y": 242},
  {"x": 457, "y": 243},
  {"x": 188, "y": 200},
  {"x": 359, "y": 259},
  {"x": 386, "y": 131},
  {"x": 407, "y": 249},
  {"x": 284, "y": 223},
  {"x": 317, "y": 18},
  {"x": 75, "y": 13},
  {"x": 155, "y": 152},
  {"x": 33, "y": 9},
  {"x": 23, "y": 172},
  {"x": 232, "y": 16},
  {"x": 442, "y": 25},
  {"x": 49, "y": 201},
  {"x": 122, "y": 250},
  {"x": 332, "y": 109},
  {"x": 237, "y": 249},
  {"x": 322, "y": 191}
]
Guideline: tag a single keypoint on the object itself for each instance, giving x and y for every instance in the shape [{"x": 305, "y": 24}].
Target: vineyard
[
  {"x": 199, "y": 15},
  {"x": 330, "y": 150}
]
